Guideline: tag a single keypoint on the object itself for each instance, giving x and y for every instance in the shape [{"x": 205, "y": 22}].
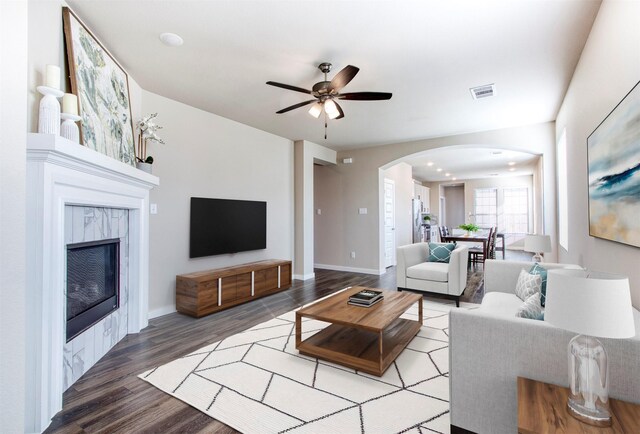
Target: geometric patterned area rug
[{"x": 256, "y": 382}]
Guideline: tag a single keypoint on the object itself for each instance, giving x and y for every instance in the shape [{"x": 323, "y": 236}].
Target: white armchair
[{"x": 414, "y": 272}]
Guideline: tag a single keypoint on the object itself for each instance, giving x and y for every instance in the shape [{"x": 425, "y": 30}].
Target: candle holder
[
  {"x": 69, "y": 128},
  {"x": 49, "y": 114}
]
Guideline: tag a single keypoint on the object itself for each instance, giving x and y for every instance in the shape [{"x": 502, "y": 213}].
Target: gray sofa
[
  {"x": 414, "y": 272},
  {"x": 489, "y": 347}
]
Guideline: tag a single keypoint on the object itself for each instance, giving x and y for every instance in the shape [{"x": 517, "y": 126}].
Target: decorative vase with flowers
[
  {"x": 470, "y": 228},
  {"x": 147, "y": 132}
]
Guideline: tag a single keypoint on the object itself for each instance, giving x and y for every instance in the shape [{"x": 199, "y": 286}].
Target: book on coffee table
[
  {"x": 366, "y": 298},
  {"x": 364, "y": 303}
]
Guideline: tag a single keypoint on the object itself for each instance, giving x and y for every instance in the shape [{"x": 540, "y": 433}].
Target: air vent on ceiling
[{"x": 483, "y": 91}]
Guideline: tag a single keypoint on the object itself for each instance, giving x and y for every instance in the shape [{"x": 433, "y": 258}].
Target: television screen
[{"x": 226, "y": 226}]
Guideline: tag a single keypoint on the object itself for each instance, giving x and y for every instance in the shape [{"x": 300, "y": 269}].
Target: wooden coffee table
[{"x": 364, "y": 338}]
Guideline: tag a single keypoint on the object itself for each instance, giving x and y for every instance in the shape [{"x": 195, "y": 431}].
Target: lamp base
[
  {"x": 595, "y": 421},
  {"x": 589, "y": 381}
]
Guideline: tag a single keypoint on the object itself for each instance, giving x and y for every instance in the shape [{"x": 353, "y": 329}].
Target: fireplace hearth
[{"x": 92, "y": 283}]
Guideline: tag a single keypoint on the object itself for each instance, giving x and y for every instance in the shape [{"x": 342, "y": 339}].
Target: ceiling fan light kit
[{"x": 327, "y": 92}]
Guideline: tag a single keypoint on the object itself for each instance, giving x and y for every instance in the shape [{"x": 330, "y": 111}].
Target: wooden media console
[{"x": 204, "y": 292}]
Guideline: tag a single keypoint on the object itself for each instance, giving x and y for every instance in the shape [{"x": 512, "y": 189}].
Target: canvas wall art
[
  {"x": 614, "y": 173},
  {"x": 103, "y": 93}
]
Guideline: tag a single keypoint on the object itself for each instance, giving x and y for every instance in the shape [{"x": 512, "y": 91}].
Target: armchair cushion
[
  {"x": 440, "y": 252},
  {"x": 435, "y": 271}
]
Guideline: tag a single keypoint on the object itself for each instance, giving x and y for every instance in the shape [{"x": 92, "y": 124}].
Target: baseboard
[
  {"x": 304, "y": 276},
  {"x": 166, "y": 310},
  {"x": 350, "y": 269}
]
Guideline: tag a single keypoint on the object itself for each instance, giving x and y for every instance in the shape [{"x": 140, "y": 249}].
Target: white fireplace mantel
[{"x": 61, "y": 173}]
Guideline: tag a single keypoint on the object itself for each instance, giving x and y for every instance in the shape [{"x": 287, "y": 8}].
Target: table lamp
[
  {"x": 593, "y": 305},
  {"x": 537, "y": 244}
]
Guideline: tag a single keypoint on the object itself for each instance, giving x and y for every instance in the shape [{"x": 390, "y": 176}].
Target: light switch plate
[
  {"x": 362, "y": 210},
  {"x": 153, "y": 208},
  {"x": 319, "y": 211}
]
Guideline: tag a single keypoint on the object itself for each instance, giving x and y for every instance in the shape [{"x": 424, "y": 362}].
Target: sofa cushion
[
  {"x": 440, "y": 252},
  {"x": 436, "y": 271},
  {"x": 527, "y": 285},
  {"x": 500, "y": 303},
  {"x": 531, "y": 307},
  {"x": 539, "y": 269}
]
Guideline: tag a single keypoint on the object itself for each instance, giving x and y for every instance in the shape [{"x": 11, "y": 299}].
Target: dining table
[{"x": 476, "y": 237}]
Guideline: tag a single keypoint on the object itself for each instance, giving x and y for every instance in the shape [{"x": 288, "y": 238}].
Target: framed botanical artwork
[
  {"x": 102, "y": 88},
  {"x": 614, "y": 173}
]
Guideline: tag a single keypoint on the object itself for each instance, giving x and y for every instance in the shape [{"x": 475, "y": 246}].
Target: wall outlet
[
  {"x": 318, "y": 211},
  {"x": 153, "y": 208},
  {"x": 362, "y": 210},
  {"x": 353, "y": 255}
]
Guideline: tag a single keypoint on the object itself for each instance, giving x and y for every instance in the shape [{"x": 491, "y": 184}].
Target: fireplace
[{"x": 92, "y": 283}]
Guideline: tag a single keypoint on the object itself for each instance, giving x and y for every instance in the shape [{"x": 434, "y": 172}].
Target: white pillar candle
[
  {"x": 53, "y": 76},
  {"x": 70, "y": 104}
]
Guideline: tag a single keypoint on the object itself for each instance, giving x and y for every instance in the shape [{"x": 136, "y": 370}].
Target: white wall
[
  {"x": 608, "y": 68},
  {"x": 13, "y": 139},
  {"x": 362, "y": 184},
  {"x": 210, "y": 156},
  {"x": 307, "y": 155}
]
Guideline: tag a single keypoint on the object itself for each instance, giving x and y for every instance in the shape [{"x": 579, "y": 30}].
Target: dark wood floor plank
[{"x": 110, "y": 397}]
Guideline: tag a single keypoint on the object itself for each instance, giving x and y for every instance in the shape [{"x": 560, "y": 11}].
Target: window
[
  {"x": 563, "y": 206},
  {"x": 486, "y": 207},
  {"x": 516, "y": 210}
]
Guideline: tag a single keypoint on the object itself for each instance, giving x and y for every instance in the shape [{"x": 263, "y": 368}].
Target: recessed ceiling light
[
  {"x": 512, "y": 169},
  {"x": 447, "y": 174},
  {"x": 171, "y": 39},
  {"x": 430, "y": 163},
  {"x": 512, "y": 163},
  {"x": 454, "y": 178},
  {"x": 438, "y": 170},
  {"x": 497, "y": 152},
  {"x": 493, "y": 174}
]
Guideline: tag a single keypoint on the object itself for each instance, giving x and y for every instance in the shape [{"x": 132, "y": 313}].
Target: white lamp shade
[
  {"x": 537, "y": 243},
  {"x": 331, "y": 109},
  {"x": 588, "y": 303},
  {"x": 315, "y": 110}
]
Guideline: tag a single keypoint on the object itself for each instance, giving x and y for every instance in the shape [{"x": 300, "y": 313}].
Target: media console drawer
[{"x": 205, "y": 292}]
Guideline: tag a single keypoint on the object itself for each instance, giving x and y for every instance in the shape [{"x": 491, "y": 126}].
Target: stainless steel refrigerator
[{"x": 416, "y": 219}]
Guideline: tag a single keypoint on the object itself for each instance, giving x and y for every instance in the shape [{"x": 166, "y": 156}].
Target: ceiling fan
[{"x": 326, "y": 93}]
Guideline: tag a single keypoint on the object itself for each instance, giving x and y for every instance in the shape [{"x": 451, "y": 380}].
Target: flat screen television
[{"x": 221, "y": 226}]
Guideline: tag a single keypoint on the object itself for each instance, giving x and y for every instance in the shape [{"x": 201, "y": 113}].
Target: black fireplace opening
[{"x": 93, "y": 271}]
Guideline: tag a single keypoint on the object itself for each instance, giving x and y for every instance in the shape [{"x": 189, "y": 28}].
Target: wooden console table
[
  {"x": 542, "y": 408},
  {"x": 204, "y": 292}
]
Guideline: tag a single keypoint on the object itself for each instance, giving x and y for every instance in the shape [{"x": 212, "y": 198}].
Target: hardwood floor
[{"x": 110, "y": 397}]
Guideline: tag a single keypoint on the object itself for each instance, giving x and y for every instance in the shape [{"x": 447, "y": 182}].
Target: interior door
[{"x": 389, "y": 223}]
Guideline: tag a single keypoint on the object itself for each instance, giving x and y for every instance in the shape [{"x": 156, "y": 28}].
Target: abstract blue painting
[{"x": 614, "y": 173}]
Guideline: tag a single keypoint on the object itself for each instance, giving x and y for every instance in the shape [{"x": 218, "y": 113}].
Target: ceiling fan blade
[
  {"x": 341, "y": 115},
  {"x": 295, "y": 106},
  {"x": 288, "y": 86},
  {"x": 343, "y": 77},
  {"x": 365, "y": 96}
]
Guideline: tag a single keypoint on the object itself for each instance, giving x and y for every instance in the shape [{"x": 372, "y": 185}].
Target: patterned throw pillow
[
  {"x": 528, "y": 285},
  {"x": 538, "y": 269},
  {"x": 440, "y": 252},
  {"x": 531, "y": 308}
]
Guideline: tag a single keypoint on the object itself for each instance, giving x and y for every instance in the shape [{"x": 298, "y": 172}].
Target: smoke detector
[{"x": 483, "y": 91}]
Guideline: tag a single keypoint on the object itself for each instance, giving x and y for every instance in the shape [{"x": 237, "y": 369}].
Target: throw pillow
[
  {"x": 531, "y": 308},
  {"x": 539, "y": 269},
  {"x": 528, "y": 284},
  {"x": 440, "y": 252}
]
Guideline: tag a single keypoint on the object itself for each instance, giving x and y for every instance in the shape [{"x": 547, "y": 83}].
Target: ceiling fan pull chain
[{"x": 325, "y": 125}]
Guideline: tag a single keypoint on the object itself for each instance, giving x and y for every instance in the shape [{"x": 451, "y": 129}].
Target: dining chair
[{"x": 477, "y": 254}]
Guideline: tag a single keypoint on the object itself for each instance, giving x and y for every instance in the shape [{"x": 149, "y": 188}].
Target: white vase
[{"x": 145, "y": 167}]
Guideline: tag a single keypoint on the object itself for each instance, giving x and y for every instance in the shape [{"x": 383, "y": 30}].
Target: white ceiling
[
  {"x": 428, "y": 53},
  {"x": 468, "y": 162}
]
